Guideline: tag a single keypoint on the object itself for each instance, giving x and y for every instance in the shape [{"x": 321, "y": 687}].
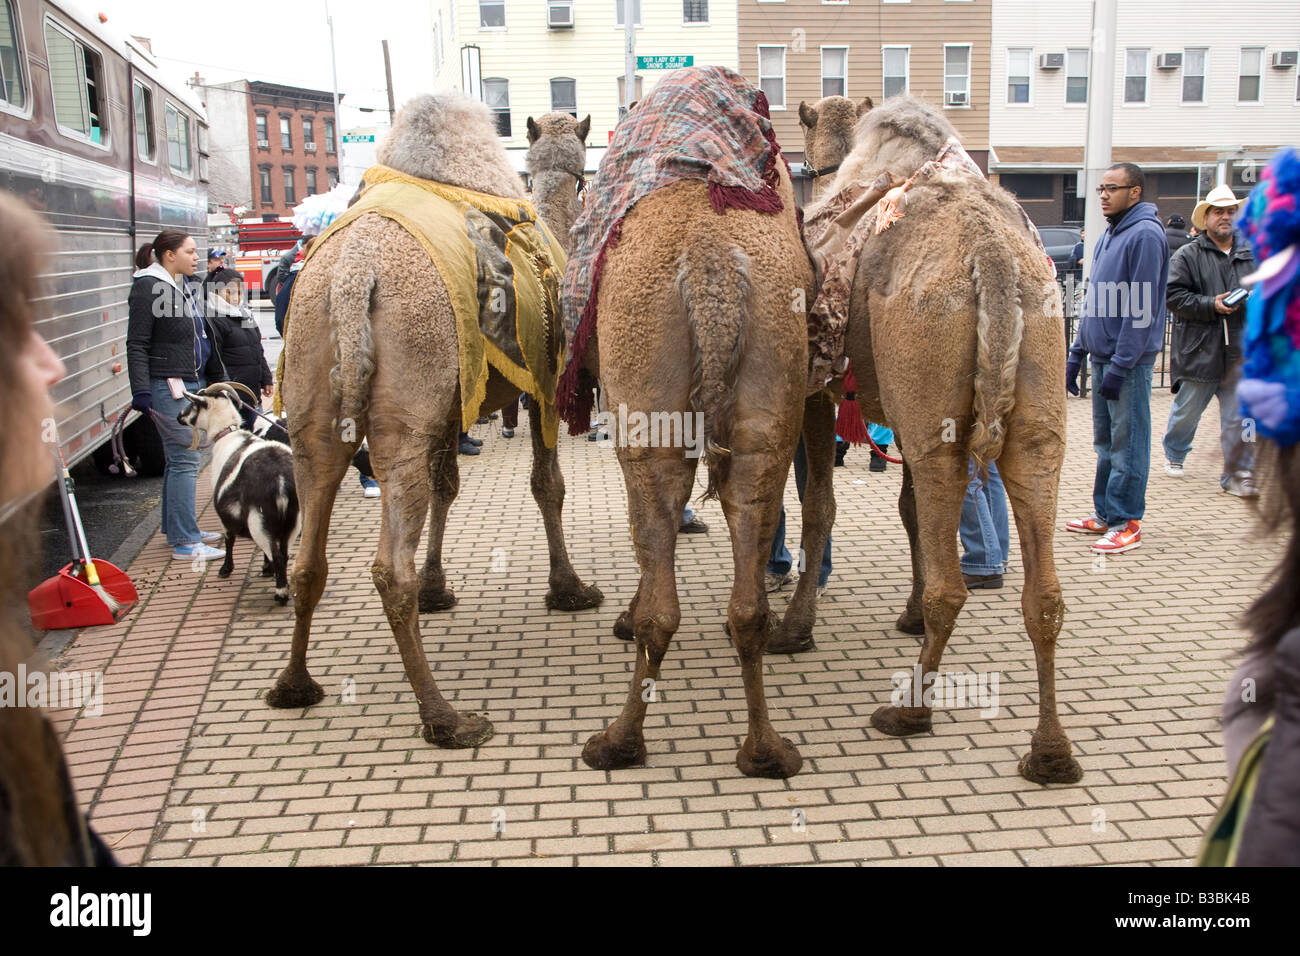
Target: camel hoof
[
  {"x": 604, "y": 752},
  {"x": 586, "y": 596},
  {"x": 623, "y": 627},
  {"x": 775, "y": 763},
  {"x": 431, "y": 601},
  {"x": 1040, "y": 767},
  {"x": 902, "y": 721},
  {"x": 782, "y": 641},
  {"x": 287, "y": 695},
  {"x": 911, "y": 622},
  {"x": 470, "y": 731}
]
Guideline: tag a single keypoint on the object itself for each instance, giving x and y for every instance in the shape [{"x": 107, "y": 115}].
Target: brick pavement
[{"x": 187, "y": 766}]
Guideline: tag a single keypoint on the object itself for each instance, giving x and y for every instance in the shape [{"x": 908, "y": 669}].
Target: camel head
[
  {"x": 898, "y": 136},
  {"x": 450, "y": 139},
  {"x": 828, "y": 131},
  {"x": 557, "y": 141}
]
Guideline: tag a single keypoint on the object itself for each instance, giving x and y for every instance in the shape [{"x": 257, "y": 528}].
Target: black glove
[
  {"x": 1113, "y": 381},
  {"x": 142, "y": 401},
  {"x": 1072, "y": 376}
]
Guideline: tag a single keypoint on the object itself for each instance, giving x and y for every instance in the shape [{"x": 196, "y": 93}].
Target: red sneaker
[
  {"x": 1086, "y": 526},
  {"x": 1119, "y": 540}
]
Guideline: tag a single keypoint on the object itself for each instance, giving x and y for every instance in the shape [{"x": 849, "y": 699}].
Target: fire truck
[{"x": 260, "y": 246}]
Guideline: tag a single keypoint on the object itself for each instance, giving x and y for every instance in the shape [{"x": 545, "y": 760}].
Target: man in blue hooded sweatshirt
[{"x": 1122, "y": 328}]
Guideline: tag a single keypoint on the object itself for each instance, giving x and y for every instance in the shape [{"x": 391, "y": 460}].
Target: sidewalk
[{"x": 187, "y": 765}]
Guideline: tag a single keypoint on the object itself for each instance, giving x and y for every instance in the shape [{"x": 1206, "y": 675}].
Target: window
[
  {"x": 1135, "y": 75},
  {"x": 636, "y": 95},
  {"x": 1076, "y": 76},
  {"x": 636, "y": 12},
  {"x": 12, "y": 90},
  {"x": 286, "y": 134},
  {"x": 1019, "y": 63},
  {"x": 76, "y": 75},
  {"x": 309, "y": 132},
  {"x": 333, "y": 175},
  {"x": 1029, "y": 185},
  {"x": 178, "y": 141},
  {"x": 262, "y": 135},
  {"x": 491, "y": 14},
  {"x": 290, "y": 198},
  {"x": 329, "y": 136},
  {"x": 956, "y": 73},
  {"x": 771, "y": 74},
  {"x": 1194, "y": 76},
  {"x": 145, "y": 135},
  {"x": 311, "y": 182},
  {"x": 693, "y": 11},
  {"x": 1248, "y": 81},
  {"x": 496, "y": 94},
  {"x": 835, "y": 71},
  {"x": 264, "y": 176},
  {"x": 895, "y": 58},
  {"x": 564, "y": 95}
]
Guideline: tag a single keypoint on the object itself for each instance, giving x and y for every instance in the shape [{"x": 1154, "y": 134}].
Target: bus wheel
[{"x": 144, "y": 447}]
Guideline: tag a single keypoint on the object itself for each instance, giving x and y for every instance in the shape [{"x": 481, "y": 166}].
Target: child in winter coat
[{"x": 240, "y": 336}]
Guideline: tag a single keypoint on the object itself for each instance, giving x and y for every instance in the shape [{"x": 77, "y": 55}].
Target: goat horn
[{"x": 216, "y": 387}]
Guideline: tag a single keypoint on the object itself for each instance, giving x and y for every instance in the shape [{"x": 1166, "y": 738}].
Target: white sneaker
[
  {"x": 1172, "y": 470},
  {"x": 1242, "y": 485},
  {"x": 196, "y": 552},
  {"x": 821, "y": 591},
  {"x": 775, "y": 582}
]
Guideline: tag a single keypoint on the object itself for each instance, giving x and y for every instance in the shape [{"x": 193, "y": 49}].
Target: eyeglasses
[{"x": 1110, "y": 188}]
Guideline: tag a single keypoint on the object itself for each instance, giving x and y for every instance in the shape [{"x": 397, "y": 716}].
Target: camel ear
[
  {"x": 583, "y": 129},
  {"x": 631, "y": 106},
  {"x": 533, "y": 131},
  {"x": 865, "y": 106},
  {"x": 807, "y": 114}
]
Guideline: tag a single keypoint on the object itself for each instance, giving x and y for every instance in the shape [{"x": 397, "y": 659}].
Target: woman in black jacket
[
  {"x": 240, "y": 336},
  {"x": 168, "y": 337}
]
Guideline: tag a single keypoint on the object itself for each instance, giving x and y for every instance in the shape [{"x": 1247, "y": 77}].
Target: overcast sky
[{"x": 288, "y": 41}]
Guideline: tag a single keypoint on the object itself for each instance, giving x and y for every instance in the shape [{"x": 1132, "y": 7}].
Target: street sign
[
  {"x": 358, "y": 137},
  {"x": 664, "y": 62}
]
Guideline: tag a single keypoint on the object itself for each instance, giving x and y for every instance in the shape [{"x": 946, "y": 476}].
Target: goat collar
[
  {"x": 224, "y": 432},
  {"x": 824, "y": 171}
]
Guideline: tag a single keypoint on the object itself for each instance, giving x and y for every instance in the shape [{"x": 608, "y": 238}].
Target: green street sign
[
  {"x": 358, "y": 137},
  {"x": 664, "y": 62}
]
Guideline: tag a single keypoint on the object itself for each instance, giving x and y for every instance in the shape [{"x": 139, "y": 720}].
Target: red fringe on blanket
[
  {"x": 573, "y": 392},
  {"x": 848, "y": 423}
]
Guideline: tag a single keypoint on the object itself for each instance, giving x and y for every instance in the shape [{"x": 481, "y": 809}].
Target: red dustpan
[{"x": 86, "y": 592}]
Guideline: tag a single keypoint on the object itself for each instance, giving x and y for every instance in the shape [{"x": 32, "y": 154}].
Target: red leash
[{"x": 876, "y": 449}]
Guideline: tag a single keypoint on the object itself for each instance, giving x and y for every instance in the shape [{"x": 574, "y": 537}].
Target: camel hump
[
  {"x": 715, "y": 290},
  {"x": 1000, "y": 326},
  {"x": 351, "y": 288}
]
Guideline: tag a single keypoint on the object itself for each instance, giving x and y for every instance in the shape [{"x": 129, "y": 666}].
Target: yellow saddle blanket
[{"x": 502, "y": 268}]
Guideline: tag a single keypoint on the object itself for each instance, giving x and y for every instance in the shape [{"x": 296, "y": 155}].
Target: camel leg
[
  {"x": 444, "y": 470},
  {"x": 752, "y": 518},
  {"x": 320, "y": 462},
  {"x": 911, "y": 621},
  {"x": 1032, "y": 491},
  {"x": 402, "y": 463},
  {"x": 567, "y": 592},
  {"x": 623, "y": 625},
  {"x": 658, "y": 489},
  {"x": 941, "y": 480},
  {"x": 795, "y": 633}
]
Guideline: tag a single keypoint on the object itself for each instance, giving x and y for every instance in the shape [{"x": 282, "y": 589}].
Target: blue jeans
[
  {"x": 779, "y": 561},
  {"x": 1190, "y": 403},
  {"x": 985, "y": 534},
  {"x": 180, "y": 520},
  {"x": 1121, "y": 436}
]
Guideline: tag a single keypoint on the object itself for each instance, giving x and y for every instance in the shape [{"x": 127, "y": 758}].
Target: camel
[
  {"x": 557, "y": 156},
  {"x": 955, "y": 336},
  {"x": 371, "y": 350},
  {"x": 695, "y": 316},
  {"x": 826, "y": 144}
]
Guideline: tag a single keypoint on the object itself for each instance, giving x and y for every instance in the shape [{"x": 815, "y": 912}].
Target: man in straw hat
[{"x": 1206, "y": 351}]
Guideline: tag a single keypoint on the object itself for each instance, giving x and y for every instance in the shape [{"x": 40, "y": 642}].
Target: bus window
[
  {"x": 12, "y": 90},
  {"x": 178, "y": 141},
  {"x": 146, "y": 137},
  {"x": 76, "y": 75}
]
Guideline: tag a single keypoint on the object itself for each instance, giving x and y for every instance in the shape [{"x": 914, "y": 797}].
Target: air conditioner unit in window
[
  {"x": 559, "y": 14},
  {"x": 1285, "y": 59},
  {"x": 956, "y": 99},
  {"x": 264, "y": 143},
  {"x": 1051, "y": 61},
  {"x": 309, "y": 147},
  {"x": 1169, "y": 61}
]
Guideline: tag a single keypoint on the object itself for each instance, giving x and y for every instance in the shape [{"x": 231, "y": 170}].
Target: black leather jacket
[
  {"x": 1198, "y": 272},
  {"x": 160, "y": 336}
]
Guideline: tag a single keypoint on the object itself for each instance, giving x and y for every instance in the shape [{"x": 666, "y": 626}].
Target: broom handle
[{"x": 80, "y": 547}]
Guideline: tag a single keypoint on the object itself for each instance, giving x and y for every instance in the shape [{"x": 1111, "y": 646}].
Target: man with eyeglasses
[{"x": 1121, "y": 328}]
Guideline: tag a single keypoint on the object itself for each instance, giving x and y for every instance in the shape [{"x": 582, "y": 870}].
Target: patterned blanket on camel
[
  {"x": 704, "y": 123},
  {"x": 502, "y": 269}
]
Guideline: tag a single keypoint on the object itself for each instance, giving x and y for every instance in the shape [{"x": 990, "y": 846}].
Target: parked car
[{"x": 1059, "y": 241}]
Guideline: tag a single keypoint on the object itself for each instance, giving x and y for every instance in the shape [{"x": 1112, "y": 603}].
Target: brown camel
[
  {"x": 371, "y": 350},
  {"x": 557, "y": 156},
  {"x": 695, "y": 316},
  {"x": 828, "y": 136},
  {"x": 955, "y": 336}
]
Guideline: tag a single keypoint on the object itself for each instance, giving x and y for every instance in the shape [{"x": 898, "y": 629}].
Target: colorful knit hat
[{"x": 1270, "y": 220}]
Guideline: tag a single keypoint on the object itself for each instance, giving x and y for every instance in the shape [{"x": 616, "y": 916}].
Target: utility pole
[
  {"x": 1101, "y": 113},
  {"x": 338, "y": 120},
  {"x": 629, "y": 52},
  {"x": 388, "y": 78}
]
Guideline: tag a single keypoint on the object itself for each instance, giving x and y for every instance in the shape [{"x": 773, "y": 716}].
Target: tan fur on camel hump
[{"x": 450, "y": 139}]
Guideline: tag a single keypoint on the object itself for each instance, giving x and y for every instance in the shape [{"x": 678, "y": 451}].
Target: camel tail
[
  {"x": 350, "y": 294},
  {"x": 1000, "y": 327},
  {"x": 715, "y": 295}
]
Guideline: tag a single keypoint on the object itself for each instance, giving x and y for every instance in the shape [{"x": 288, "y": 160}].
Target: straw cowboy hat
[{"x": 1220, "y": 196}]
